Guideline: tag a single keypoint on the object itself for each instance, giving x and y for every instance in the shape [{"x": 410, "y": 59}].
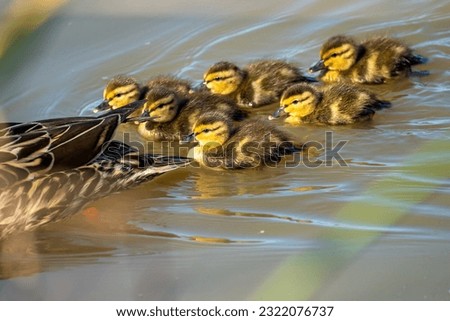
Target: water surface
[{"x": 377, "y": 229}]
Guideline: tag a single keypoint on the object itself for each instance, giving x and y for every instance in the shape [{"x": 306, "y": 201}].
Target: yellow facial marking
[
  {"x": 121, "y": 96},
  {"x": 340, "y": 58},
  {"x": 222, "y": 82},
  {"x": 118, "y": 91},
  {"x": 162, "y": 110},
  {"x": 299, "y": 105},
  {"x": 213, "y": 133}
]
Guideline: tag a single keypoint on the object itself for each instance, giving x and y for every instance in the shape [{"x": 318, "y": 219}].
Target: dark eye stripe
[
  {"x": 218, "y": 79},
  {"x": 162, "y": 105},
  {"x": 125, "y": 93},
  {"x": 338, "y": 54},
  {"x": 211, "y": 130},
  {"x": 297, "y": 101},
  {"x": 206, "y": 130}
]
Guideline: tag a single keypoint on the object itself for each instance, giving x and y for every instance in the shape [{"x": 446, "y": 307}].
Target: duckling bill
[
  {"x": 334, "y": 104},
  {"x": 373, "y": 61}
]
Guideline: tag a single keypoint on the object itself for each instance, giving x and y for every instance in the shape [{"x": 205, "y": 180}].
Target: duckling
[
  {"x": 122, "y": 90},
  {"x": 182, "y": 86},
  {"x": 334, "y": 104},
  {"x": 171, "y": 115},
  {"x": 259, "y": 83},
  {"x": 373, "y": 61},
  {"x": 251, "y": 143},
  {"x": 50, "y": 169}
]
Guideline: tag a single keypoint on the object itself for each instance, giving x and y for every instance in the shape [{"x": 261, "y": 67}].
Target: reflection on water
[
  {"x": 353, "y": 231},
  {"x": 216, "y": 211},
  {"x": 212, "y": 183}
]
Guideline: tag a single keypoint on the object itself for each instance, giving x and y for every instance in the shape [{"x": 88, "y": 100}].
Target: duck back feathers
[{"x": 39, "y": 183}]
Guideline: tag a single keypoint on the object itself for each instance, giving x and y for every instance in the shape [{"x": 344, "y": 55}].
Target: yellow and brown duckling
[
  {"x": 259, "y": 83},
  {"x": 373, "y": 61},
  {"x": 122, "y": 90},
  {"x": 334, "y": 104},
  {"x": 169, "y": 115},
  {"x": 251, "y": 143}
]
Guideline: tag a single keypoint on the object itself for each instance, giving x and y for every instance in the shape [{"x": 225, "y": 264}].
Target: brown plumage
[
  {"x": 373, "y": 61},
  {"x": 334, "y": 104},
  {"x": 182, "y": 86},
  {"x": 259, "y": 83},
  {"x": 122, "y": 90},
  {"x": 171, "y": 115},
  {"x": 251, "y": 143},
  {"x": 50, "y": 169}
]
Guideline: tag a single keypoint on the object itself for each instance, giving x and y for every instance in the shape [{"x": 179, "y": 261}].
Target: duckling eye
[
  {"x": 119, "y": 94},
  {"x": 207, "y": 130},
  {"x": 295, "y": 102},
  {"x": 334, "y": 55},
  {"x": 218, "y": 78}
]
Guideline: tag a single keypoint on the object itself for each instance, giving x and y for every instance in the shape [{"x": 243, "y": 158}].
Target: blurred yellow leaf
[{"x": 23, "y": 16}]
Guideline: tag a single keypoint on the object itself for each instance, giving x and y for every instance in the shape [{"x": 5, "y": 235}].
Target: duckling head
[
  {"x": 162, "y": 105},
  {"x": 223, "y": 78},
  {"x": 337, "y": 53},
  {"x": 299, "y": 100},
  {"x": 120, "y": 91},
  {"x": 212, "y": 129}
]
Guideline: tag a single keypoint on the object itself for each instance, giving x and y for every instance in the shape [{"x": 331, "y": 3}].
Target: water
[{"x": 378, "y": 229}]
